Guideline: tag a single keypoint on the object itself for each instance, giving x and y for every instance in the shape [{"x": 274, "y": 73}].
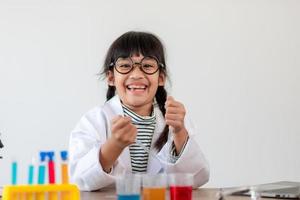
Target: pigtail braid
[
  {"x": 110, "y": 92},
  {"x": 161, "y": 97}
]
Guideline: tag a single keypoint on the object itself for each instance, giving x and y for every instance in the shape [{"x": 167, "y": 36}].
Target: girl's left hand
[{"x": 175, "y": 113}]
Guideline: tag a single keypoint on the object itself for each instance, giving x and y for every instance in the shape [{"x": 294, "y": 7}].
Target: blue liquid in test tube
[
  {"x": 30, "y": 174},
  {"x": 42, "y": 168},
  {"x": 14, "y": 168}
]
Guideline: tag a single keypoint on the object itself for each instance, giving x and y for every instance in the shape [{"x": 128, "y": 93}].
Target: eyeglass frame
[{"x": 160, "y": 65}]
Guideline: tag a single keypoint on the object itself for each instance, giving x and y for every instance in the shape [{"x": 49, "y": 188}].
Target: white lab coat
[{"x": 93, "y": 130}]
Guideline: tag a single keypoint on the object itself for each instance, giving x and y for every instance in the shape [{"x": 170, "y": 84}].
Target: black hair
[{"x": 135, "y": 43}]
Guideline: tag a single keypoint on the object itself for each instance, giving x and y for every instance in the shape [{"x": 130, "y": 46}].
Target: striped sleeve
[{"x": 173, "y": 154}]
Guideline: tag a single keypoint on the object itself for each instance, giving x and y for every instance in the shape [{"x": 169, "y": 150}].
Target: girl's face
[{"x": 136, "y": 89}]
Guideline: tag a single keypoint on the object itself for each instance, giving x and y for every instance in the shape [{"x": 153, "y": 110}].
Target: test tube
[
  {"x": 42, "y": 168},
  {"x": 64, "y": 174},
  {"x": 64, "y": 167},
  {"x": 41, "y": 174},
  {"x": 51, "y": 175},
  {"x": 51, "y": 167},
  {"x": 14, "y": 169},
  {"x": 31, "y": 172},
  {"x": 30, "y": 195}
]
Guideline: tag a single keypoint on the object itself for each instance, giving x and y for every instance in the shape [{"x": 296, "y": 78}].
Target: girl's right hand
[{"x": 123, "y": 132}]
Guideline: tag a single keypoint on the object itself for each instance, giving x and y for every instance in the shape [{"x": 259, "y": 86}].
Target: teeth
[{"x": 136, "y": 86}]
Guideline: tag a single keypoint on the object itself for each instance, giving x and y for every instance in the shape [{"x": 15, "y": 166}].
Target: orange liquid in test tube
[
  {"x": 64, "y": 174},
  {"x": 154, "y": 193},
  {"x": 64, "y": 180}
]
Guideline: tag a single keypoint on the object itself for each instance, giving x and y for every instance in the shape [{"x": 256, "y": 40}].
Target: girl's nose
[{"x": 136, "y": 72}]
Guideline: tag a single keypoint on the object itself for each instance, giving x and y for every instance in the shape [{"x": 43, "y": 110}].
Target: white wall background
[{"x": 234, "y": 64}]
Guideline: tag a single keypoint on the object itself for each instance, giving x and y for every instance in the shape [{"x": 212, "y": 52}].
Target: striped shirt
[{"x": 145, "y": 129}]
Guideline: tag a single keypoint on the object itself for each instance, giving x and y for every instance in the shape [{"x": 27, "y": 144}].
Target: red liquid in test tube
[{"x": 51, "y": 168}]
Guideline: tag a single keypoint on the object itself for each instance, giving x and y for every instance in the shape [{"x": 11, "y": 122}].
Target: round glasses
[{"x": 149, "y": 65}]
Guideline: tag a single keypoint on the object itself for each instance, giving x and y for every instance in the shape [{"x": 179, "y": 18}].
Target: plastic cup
[
  {"x": 128, "y": 187},
  {"x": 154, "y": 187},
  {"x": 181, "y": 186}
]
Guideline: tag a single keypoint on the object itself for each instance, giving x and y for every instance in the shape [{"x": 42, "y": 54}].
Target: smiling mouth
[{"x": 136, "y": 87}]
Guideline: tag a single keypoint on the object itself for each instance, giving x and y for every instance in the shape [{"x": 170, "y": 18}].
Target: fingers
[
  {"x": 119, "y": 122},
  {"x": 175, "y": 110},
  {"x": 126, "y": 135},
  {"x": 118, "y": 118},
  {"x": 171, "y": 116},
  {"x": 170, "y": 102},
  {"x": 175, "y": 113},
  {"x": 175, "y": 124},
  {"x": 123, "y": 131},
  {"x": 174, "y": 107}
]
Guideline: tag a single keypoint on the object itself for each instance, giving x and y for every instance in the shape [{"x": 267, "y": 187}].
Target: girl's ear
[
  {"x": 110, "y": 78},
  {"x": 161, "y": 79}
]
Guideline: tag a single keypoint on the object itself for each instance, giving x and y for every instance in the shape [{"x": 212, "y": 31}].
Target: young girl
[{"x": 139, "y": 129}]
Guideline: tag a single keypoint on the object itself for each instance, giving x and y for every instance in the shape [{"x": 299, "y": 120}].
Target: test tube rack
[{"x": 41, "y": 192}]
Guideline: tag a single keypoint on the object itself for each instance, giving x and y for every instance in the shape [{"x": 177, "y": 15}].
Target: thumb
[
  {"x": 170, "y": 98},
  {"x": 168, "y": 101}
]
